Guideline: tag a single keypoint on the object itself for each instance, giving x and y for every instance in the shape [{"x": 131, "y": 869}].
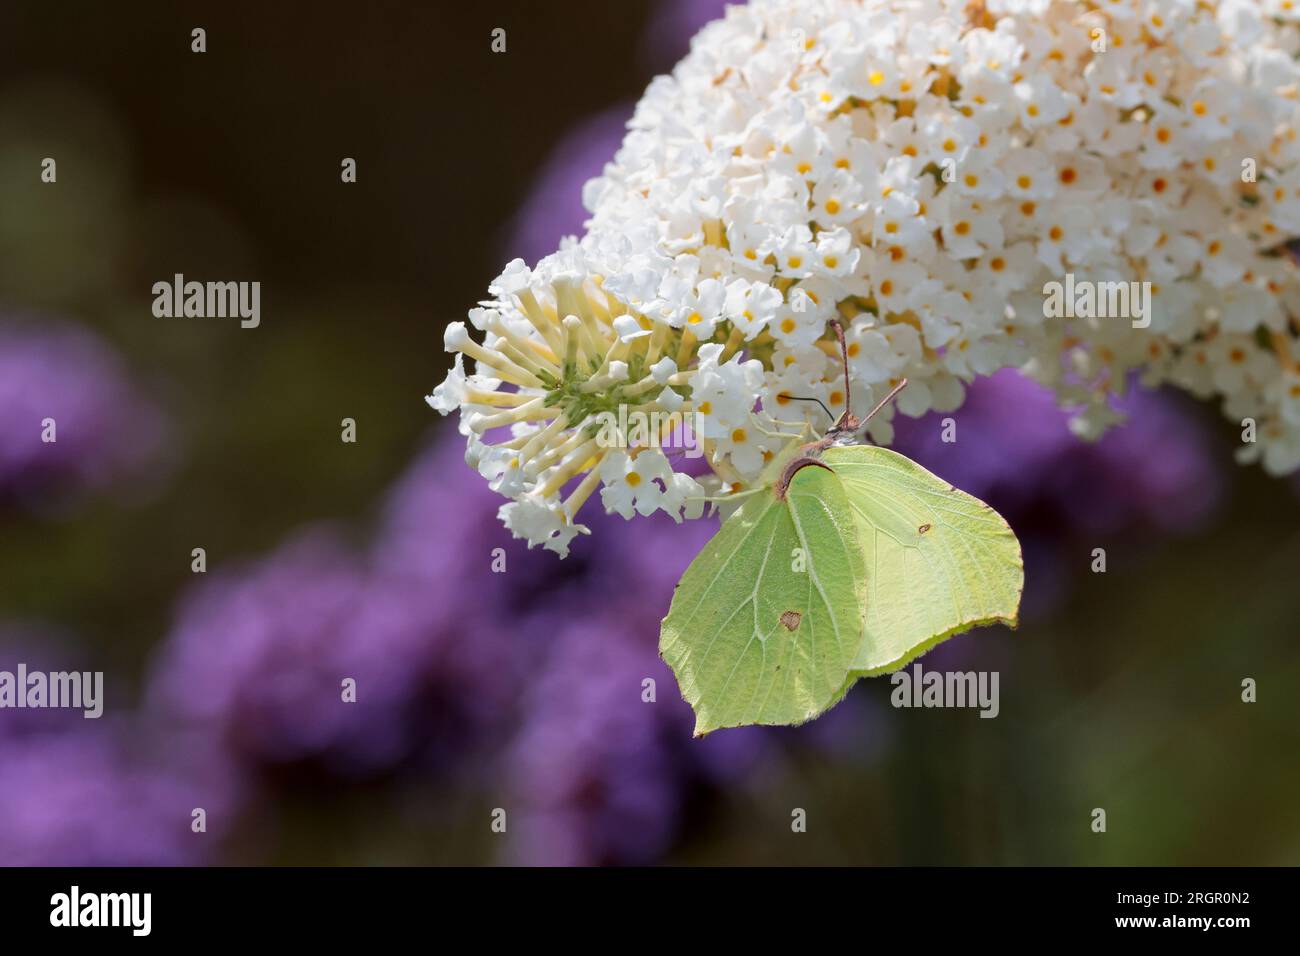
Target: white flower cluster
[{"x": 920, "y": 170}]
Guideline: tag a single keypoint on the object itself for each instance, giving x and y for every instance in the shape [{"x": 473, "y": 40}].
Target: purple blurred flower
[
  {"x": 593, "y": 766},
  {"x": 105, "y": 428},
  {"x": 83, "y": 798},
  {"x": 97, "y": 792},
  {"x": 259, "y": 656},
  {"x": 439, "y": 531},
  {"x": 428, "y": 631}
]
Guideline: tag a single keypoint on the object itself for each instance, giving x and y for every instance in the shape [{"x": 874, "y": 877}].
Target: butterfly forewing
[
  {"x": 766, "y": 624},
  {"x": 938, "y": 561}
]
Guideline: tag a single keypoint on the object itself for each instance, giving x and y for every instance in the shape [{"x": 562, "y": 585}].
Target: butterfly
[{"x": 845, "y": 560}]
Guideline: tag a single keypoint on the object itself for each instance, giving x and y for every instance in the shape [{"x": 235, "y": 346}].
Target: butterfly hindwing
[
  {"x": 938, "y": 561},
  {"x": 766, "y": 624}
]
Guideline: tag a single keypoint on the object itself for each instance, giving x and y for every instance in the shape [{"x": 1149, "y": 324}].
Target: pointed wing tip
[
  {"x": 1011, "y": 620},
  {"x": 703, "y": 728}
]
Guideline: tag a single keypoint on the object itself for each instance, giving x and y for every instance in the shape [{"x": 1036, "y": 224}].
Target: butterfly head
[
  {"x": 844, "y": 432},
  {"x": 847, "y": 430}
]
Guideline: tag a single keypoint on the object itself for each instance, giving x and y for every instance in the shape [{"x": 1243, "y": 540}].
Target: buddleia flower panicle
[
  {"x": 558, "y": 353},
  {"x": 922, "y": 170}
]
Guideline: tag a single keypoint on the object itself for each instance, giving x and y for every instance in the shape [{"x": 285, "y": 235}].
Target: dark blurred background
[
  {"x": 519, "y": 691},
  {"x": 227, "y": 165}
]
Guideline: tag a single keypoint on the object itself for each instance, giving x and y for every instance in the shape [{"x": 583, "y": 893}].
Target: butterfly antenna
[
  {"x": 797, "y": 398},
  {"x": 885, "y": 401},
  {"x": 844, "y": 355}
]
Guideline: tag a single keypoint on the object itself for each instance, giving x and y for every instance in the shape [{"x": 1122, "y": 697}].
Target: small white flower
[
  {"x": 744, "y": 446},
  {"x": 1289, "y": 399},
  {"x": 629, "y": 329},
  {"x": 683, "y": 497},
  {"x": 540, "y": 522},
  {"x": 751, "y": 307},
  {"x": 663, "y": 370},
  {"x": 634, "y": 483},
  {"x": 452, "y": 392}
]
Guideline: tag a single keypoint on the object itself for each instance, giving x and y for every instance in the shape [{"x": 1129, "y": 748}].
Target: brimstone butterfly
[{"x": 845, "y": 560}]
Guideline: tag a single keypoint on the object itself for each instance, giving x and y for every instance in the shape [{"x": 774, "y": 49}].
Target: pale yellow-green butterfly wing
[
  {"x": 765, "y": 626},
  {"x": 938, "y": 561}
]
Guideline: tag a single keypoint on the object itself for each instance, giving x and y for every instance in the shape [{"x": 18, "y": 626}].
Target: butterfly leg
[
  {"x": 802, "y": 426},
  {"x": 732, "y": 496},
  {"x": 715, "y": 500},
  {"x": 802, "y": 429},
  {"x": 786, "y": 436}
]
